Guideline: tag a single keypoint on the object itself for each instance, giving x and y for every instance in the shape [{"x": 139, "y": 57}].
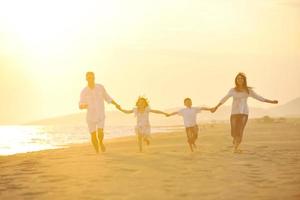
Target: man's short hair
[
  {"x": 90, "y": 73},
  {"x": 187, "y": 99}
]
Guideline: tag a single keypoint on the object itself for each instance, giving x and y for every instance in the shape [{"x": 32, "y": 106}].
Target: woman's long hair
[{"x": 245, "y": 86}]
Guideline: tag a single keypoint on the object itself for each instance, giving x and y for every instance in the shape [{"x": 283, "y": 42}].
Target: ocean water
[{"x": 22, "y": 139}]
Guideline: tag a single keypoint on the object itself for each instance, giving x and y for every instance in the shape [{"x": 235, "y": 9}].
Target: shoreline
[{"x": 106, "y": 140}]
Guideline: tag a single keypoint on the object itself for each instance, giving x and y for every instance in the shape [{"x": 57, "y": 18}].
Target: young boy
[{"x": 189, "y": 115}]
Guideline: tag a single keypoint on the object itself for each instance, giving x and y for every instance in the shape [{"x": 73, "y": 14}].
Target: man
[{"x": 92, "y": 98}]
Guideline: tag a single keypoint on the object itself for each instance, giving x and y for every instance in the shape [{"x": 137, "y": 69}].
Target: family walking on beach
[{"x": 93, "y": 96}]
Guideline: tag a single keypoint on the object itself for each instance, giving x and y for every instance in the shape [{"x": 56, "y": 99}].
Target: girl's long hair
[
  {"x": 142, "y": 99},
  {"x": 245, "y": 86}
]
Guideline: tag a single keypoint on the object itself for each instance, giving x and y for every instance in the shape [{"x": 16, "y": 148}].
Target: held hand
[
  {"x": 168, "y": 115},
  {"x": 213, "y": 110},
  {"x": 83, "y": 106},
  {"x": 118, "y": 107}
]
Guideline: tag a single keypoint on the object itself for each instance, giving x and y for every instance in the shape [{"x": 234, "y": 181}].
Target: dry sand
[{"x": 269, "y": 168}]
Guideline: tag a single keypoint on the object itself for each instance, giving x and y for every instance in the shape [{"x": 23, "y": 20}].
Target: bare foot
[
  {"x": 237, "y": 151},
  {"x": 103, "y": 149},
  {"x": 191, "y": 147},
  {"x": 147, "y": 141}
]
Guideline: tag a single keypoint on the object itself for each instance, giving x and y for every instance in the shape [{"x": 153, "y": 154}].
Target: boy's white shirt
[
  {"x": 190, "y": 115},
  {"x": 142, "y": 118},
  {"x": 95, "y": 98}
]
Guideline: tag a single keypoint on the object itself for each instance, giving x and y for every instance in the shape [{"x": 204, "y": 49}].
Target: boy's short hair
[{"x": 187, "y": 99}]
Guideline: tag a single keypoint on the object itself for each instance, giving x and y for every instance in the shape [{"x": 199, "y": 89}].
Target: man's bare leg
[
  {"x": 95, "y": 141},
  {"x": 100, "y": 139}
]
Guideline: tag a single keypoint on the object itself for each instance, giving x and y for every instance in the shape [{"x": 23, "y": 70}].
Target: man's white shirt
[{"x": 95, "y": 98}]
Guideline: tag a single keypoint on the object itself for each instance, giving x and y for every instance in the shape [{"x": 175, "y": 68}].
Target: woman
[{"x": 240, "y": 110}]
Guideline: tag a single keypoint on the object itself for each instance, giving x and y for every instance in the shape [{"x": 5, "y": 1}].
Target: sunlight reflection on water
[{"x": 22, "y": 139}]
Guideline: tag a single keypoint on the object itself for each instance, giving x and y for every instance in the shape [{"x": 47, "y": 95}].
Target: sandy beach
[{"x": 268, "y": 168}]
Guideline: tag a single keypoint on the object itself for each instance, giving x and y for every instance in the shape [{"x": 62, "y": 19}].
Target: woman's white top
[
  {"x": 239, "y": 103},
  {"x": 142, "y": 118}
]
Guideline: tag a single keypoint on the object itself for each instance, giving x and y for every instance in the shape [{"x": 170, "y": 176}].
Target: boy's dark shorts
[{"x": 192, "y": 132}]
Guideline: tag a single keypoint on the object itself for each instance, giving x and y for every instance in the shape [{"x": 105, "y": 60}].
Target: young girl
[
  {"x": 240, "y": 110},
  {"x": 141, "y": 112}
]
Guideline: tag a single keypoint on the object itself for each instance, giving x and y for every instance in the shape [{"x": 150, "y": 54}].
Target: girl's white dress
[{"x": 143, "y": 123}]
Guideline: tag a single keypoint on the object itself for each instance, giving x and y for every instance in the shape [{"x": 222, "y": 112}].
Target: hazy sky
[{"x": 166, "y": 50}]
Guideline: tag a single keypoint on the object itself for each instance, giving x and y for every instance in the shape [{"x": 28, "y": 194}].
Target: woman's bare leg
[{"x": 240, "y": 131}]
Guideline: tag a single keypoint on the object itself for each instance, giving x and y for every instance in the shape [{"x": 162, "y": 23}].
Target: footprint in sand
[
  {"x": 57, "y": 179},
  {"x": 34, "y": 193},
  {"x": 262, "y": 147},
  {"x": 29, "y": 172},
  {"x": 183, "y": 195},
  {"x": 134, "y": 171},
  {"x": 14, "y": 187},
  {"x": 28, "y": 163},
  {"x": 297, "y": 196},
  {"x": 53, "y": 179},
  {"x": 249, "y": 165},
  {"x": 168, "y": 186},
  {"x": 291, "y": 181}
]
